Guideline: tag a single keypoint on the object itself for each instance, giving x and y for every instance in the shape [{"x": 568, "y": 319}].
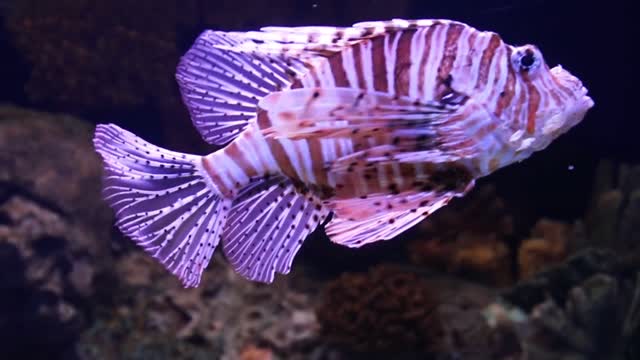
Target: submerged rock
[{"x": 54, "y": 229}]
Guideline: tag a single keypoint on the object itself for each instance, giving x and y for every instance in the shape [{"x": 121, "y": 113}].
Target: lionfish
[{"x": 366, "y": 130}]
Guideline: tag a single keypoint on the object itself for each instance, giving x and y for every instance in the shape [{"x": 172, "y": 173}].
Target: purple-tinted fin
[
  {"x": 221, "y": 88},
  {"x": 266, "y": 228},
  {"x": 161, "y": 201}
]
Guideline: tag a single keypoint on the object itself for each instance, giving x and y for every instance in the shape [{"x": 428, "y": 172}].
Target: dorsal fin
[
  {"x": 222, "y": 88},
  {"x": 311, "y": 41},
  {"x": 224, "y": 74}
]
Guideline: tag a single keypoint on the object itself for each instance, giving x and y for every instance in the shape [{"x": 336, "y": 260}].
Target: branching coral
[
  {"x": 385, "y": 310},
  {"x": 613, "y": 218},
  {"x": 582, "y": 309}
]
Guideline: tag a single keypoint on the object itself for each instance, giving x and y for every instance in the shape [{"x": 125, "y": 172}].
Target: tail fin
[{"x": 163, "y": 200}]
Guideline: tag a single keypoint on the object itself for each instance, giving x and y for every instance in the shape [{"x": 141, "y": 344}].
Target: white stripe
[
  {"x": 308, "y": 81},
  {"x": 289, "y": 147},
  {"x": 307, "y": 163},
  {"x": 366, "y": 58},
  {"x": 391, "y": 55},
  {"x": 249, "y": 152},
  {"x": 416, "y": 54},
  {"x": 397, "y": 174},
  {"x": 431, "y": 67},
  {"x": 349, "y": 67},
  {"x": 264, "y": 152},
  {"x": 328, "y": 150},
  {"x": 233, "y": 170},
  {"x": 326, "y": 75},
  {"x": 382, "y": 176},
  {"x": 346, "y": 146}
]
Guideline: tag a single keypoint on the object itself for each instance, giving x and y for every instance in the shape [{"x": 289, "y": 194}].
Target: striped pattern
[
  {"x": 422, "y": 61},
  {"x": 381, "y": 123}
]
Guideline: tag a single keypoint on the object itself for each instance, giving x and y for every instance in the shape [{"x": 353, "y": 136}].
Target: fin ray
[
  {"x": 267, "y": 227},
  {"x": 221, "y": 88},
  {"x": 162, "y": 201},
  {"x": 378, "y": 225}
]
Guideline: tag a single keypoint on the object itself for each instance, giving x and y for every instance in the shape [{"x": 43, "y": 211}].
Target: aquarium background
[{"x": 540, "y": 261}]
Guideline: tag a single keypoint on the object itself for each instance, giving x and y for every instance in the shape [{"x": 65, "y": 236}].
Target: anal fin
[{"x": 267, "y": 226}]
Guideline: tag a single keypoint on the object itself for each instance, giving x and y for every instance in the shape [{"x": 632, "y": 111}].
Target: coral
[
  {"x": 469, "y": 237},
  {"x": 54, "y": 230},
  {"x": 578, "y": 310},
  {"x": 252, "y": 352},
  {"x": 385, "y": 310},
  {"x": 613, "y": 217},
  {"x": 548, "y": 245}
]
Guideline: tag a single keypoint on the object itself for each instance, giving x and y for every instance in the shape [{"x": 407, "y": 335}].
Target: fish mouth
[
  {"x": 574, "y": 109},
  {"x": 574, "y": 85}
]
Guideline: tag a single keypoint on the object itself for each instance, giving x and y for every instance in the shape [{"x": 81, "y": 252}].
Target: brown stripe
[
  {"x": 507, "y": 93},
  {"x": 552, "y": 90},
  {"x": 296, "y": 84},
  {"x": 471, "y": 41},
  {"x": 237, "y": 156},
  {"x": 424, "y": 57},
  {"x": 277, "y": 149},
  {"x": 379, "y": 62},
  {"x": 403, "y": 63},
  {"x": 485, "y": 62},
  {"x": 263, "y": 119},
  {"x": 533, "y": 104},
  {"x": 518, "y": 108},
  {"x": 450, "y": 50},
  {"x": 497, "y": 77},
  {"x": 317, "y": 161},
  {"x": 337, "y": 69},
  {"x": 215, "y": 177},
  {"x": 357, "y": 60}
]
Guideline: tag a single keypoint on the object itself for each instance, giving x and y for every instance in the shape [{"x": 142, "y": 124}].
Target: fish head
[{"x": 546, "y": 102}]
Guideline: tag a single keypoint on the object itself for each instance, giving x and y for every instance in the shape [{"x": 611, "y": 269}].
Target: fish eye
[{"x": 526, "y": 59}]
